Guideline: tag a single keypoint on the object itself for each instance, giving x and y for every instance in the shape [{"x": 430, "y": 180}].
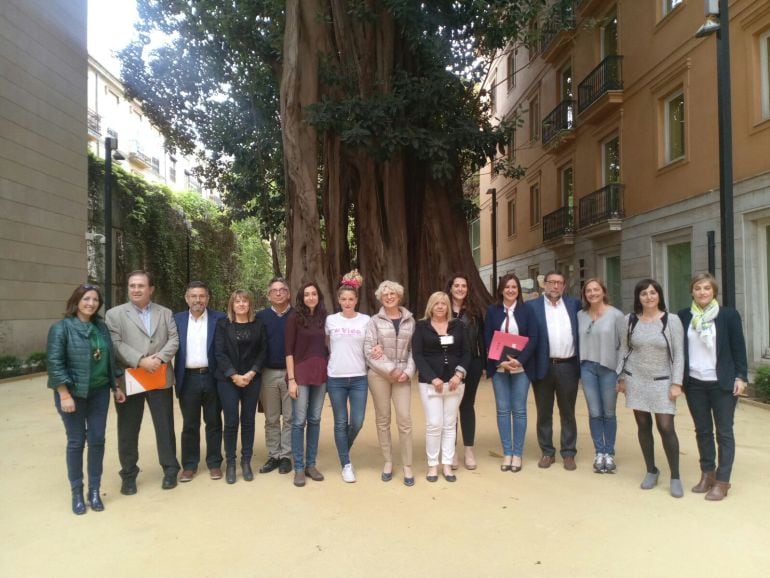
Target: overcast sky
[{"x": 110, "y": 28}]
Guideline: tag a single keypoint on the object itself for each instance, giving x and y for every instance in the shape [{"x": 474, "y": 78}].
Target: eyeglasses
[
  {"x": 89, "y": 287},
  {"x": 554, "y": 282},
  {"x": 281, "y": 290},
  {"x": 590, "y": 326}
]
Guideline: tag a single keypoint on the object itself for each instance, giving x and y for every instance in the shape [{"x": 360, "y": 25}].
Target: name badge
[{"x": 447, "y": 340}]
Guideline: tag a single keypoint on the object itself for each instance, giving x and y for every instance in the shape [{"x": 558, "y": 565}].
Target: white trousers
[{"x": 441, "y": 422}]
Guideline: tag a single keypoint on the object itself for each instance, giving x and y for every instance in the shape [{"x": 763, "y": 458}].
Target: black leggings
[
  {"x": 467, "y": 411},
  {"x": 665, "y": 423}
]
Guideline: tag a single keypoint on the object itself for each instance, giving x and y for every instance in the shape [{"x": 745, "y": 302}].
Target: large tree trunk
[
  {"x": 303, "y": 42},
  {"x": 408, "y": 228}
]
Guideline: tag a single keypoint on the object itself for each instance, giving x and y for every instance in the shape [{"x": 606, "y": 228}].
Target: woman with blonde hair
[
  {"x": 240, "y": 346},
  {"x": 442, "y": 354},
  {"x": 388, "y": 351}
]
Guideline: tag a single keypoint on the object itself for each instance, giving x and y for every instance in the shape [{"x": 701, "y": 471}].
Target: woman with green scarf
[{"x": 715, "y": 375}]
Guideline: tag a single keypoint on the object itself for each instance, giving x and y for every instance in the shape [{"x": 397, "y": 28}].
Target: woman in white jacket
[{"x": 388, "y": 351}]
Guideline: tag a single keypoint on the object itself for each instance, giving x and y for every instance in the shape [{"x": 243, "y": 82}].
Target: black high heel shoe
[
  {"x": 95, "y": 500},
  {"x": 230, "y": 474},
  {"x": 248, "y": 475},
  {"x": 78, "y": 502}
]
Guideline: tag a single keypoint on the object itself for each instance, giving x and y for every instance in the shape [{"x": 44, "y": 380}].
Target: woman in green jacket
[{"x": 81, "y": 371}]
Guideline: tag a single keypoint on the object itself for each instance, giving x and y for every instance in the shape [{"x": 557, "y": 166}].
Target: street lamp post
[
  {"x": 110, "y": 144},
  {"x": 718, "y": 20},
  {"x": 493, "y": 192}
]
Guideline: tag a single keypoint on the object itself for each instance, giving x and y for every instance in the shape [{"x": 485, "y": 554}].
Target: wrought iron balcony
[
  {"x": 605, "y": 78},
  {"x": 558, "y": 121},
  {"x": 559, "y": 226},
  {"x": 94, "y": 123},
  {"x": 559, "y": 23},
  {"x": 603, "y": 206}
]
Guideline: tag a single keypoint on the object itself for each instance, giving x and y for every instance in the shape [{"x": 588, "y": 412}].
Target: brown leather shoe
[
  {"x": 299, "y": 478},
  {"x": 313, "y": 473},
  {"x": 187, "y": 476},
  {"x": 718, "y": 491},
  {"x": 546, "y": 461},
  {"x": 215, "y": 473},
  {"x": 707, "y": 480},
  {"x": 569, "y": 463}
]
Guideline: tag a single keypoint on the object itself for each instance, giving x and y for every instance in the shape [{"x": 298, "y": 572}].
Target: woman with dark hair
[
  {"x": 240, "y": 346},
  {"x": 650, "y": 374},
  {"x": 306, "y": 361},
  {"x": 465, "y": 308},
  {"x": 346, "y": 382},
  {"x": 600, "y": 327},
  {"x": 81, "y": 371},
  {"x": 511, "y": 377},
  {"x": 715, "y": 373}
]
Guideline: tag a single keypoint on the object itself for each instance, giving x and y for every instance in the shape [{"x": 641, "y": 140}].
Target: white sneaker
[
  {"x": 609, "y": 464},
  {"x": 599, "y": 464},
  {"x": 348, "y": 475}
]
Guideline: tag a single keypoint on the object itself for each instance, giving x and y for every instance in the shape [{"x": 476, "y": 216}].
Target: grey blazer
[{"x": 131, "y": 341}]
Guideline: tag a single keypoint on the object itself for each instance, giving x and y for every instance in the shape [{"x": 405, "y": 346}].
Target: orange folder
[{"x": 139, "y": 380}]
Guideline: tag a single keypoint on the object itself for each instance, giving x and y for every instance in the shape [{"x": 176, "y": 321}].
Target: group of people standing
[{"x": 287, "y": 356}]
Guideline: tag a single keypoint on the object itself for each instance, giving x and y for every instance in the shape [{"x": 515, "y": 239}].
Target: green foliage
[
  {"x": 254, "y": 259},
  {"x": 37, "y": 359},
  {"x": 9, "y": 363},
  {"x": 762, "y": 382},
  {"x": 172, "y": 235}
]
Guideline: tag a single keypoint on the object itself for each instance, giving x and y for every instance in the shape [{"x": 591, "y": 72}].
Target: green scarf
[{"x": 703, "y": 321}]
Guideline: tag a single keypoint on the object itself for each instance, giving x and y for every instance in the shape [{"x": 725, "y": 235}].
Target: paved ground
[{"x": 534, "y": 523}]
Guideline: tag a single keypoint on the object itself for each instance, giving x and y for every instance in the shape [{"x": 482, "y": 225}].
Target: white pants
[{"x": 441, "y": 422}]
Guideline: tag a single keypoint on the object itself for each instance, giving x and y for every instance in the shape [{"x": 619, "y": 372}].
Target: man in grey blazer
[{"x": 144, "y": 335}]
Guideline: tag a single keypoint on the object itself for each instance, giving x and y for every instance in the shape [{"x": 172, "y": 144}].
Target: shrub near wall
[{"x": 151, "y": 233}]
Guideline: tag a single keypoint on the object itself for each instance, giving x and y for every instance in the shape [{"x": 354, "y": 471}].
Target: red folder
[{"x": 508, "y": 342}]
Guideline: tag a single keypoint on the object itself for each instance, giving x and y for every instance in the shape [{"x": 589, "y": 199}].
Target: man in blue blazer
[
  {"x": 196, "y": 387},
  {"x": 557, "y": 368}
]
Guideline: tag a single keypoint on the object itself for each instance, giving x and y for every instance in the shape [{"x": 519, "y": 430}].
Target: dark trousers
[
  {"x": 85, "y": 425},
  {"x": 467, "y": 409},
  {"x": 199, "y": 393},
  {"x": 234, "y": 398},
  {"x": 561, "y": 382},
  {"x": 130, "y": 413},
  {"x": 712, "y": 405}
]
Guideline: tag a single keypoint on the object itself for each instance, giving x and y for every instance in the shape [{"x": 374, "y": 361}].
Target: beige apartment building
[
  {"x": 43, "y": 166},
  {"x": 620, "y": 145}
]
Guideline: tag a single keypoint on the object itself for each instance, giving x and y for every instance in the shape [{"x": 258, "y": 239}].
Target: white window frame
[
  {"x": 668, "y": 158},
  {"x": 604, "y": 144},
  {"x": 764, "y": 60},
  {"x": 660, "y": 255},
  {"x": 511, "y": 216}
]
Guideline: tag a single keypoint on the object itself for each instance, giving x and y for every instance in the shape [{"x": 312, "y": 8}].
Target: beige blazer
[{"x": 132, "y": 342}]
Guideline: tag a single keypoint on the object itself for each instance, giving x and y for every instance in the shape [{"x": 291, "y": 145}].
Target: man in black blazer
[
  {"x": 557, "y": 368},
  {"x": 196, "y": 386}
]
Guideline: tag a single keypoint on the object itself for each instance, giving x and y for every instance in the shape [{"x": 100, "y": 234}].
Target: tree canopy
[{"x": 349, "y": 124}]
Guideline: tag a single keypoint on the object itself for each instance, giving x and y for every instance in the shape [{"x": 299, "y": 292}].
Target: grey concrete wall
[{"x": 43, "y": 165}]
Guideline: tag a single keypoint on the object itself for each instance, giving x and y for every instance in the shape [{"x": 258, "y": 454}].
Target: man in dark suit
[
  {"x": 196, "y": 387},
  {"x": 557, "y": 369},
  {"x": 144, "y": 335}
]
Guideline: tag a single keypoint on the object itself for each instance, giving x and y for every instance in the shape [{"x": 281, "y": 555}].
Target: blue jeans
[
  {"x": 346, "y": 429},
  {"x": 234, "y": 398},
  {"x": 599, "y": 388},
  {"x": 85, "y": 425},
  {"x": 511, "y": 390},
  {"x": 306, "y": 408}
]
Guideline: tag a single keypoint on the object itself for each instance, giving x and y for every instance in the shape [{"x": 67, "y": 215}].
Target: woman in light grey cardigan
[
  {"x": 650, "y": 374},
  {"x": 600, "y": 327},
  {"x": 388, "y": 352}
]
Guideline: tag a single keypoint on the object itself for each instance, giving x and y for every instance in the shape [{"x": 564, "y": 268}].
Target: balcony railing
[
  {"x": 605, "y": 77},
  {"x": 560, "y": 19},
  {"x": 558, "y": 224},
  {"x": 558, "y": 120},
  {"x": 602, "y": 205},
  {"x": 94, "y": 123}
]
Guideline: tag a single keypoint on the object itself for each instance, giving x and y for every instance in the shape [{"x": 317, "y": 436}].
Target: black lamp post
[
  {"x": 110, "y": 145},
  {"x": 493, "y": 192},
  {"x": 718, "y": 20}
]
